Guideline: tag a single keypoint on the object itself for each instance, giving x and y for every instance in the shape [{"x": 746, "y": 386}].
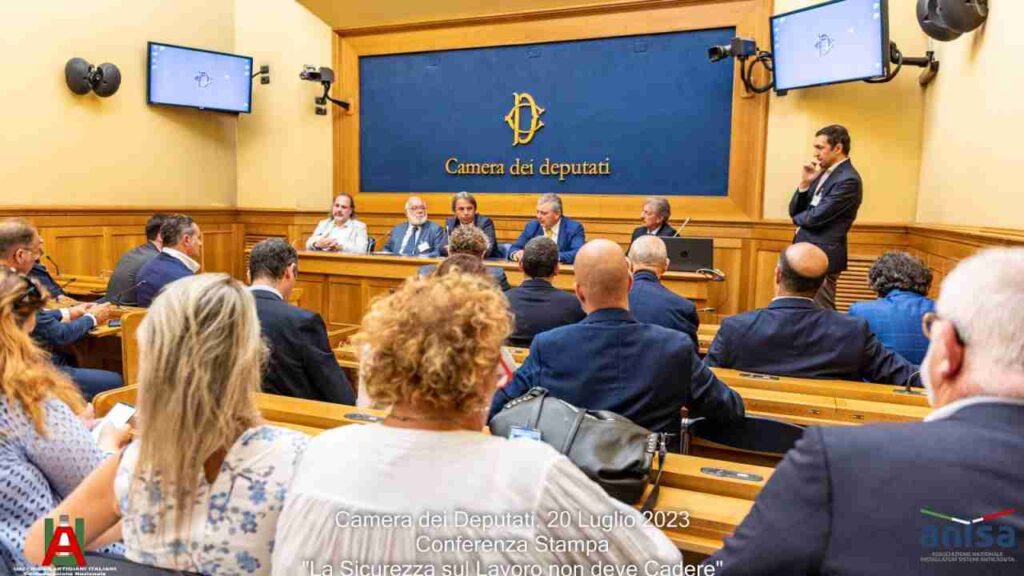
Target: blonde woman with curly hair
[
  {"x": 202, "y": 486},
  {"x": 45, "y": 448},
  {"x": 395, "y": 493}
]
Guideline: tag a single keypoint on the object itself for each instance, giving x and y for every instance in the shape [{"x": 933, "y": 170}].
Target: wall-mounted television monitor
[
  {"x": 194, "y": 78},
  {"x": 840, "y": 41}
]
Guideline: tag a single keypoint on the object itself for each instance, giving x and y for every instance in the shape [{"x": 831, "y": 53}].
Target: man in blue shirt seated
[
  {"x": 182, "y": 247},
  {"x": 794, "y": 336},
  {"x": 609, "y": 361},
  {"x": 902, "y": 283},
  {"x": 550, "y": 223},
  {"x": 418, "y": 236},
  {"x": 649, "y": 300},
  {"x": 468, "y": 239},
  {"x": 20, "y": 248}
]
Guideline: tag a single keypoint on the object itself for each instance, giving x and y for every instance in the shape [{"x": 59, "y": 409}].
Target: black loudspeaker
[
  {"x": 932, "y": 24},
  {"x": 82, "y": 77},
  {"x": 963, "y": 15}
]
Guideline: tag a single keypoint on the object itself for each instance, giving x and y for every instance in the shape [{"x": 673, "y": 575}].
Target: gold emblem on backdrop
[{"x": 520, "y": 101}]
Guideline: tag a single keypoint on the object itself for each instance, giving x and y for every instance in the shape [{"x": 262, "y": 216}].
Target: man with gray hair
[
  {"x": 468, "y": 239},
  {"x": 182, "y": 247},
  {"x": 942, "y": 491},
  {"x": 654, "y": 219},
  {"x": 418, "y": 236},
  {"x": 567, "y": 233},
  {"x": 649, "y": 300}
]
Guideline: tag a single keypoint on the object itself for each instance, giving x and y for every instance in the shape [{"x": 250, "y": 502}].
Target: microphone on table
[
  {"x": 117, "y": 299},
  {"x": 680, "y": 229},
  {"x": 56, "y": 268}
]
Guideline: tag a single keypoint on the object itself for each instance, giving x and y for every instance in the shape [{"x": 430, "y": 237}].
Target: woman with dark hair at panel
[
  {"x": 426, "y": 487},
  {"x": 465, "y": 214},
  {"x": 902, "y": 283},
  {"x": 45, "y": 448},
  {"x": 201, "y": 487},
  {"x": 341, "y": 232}
]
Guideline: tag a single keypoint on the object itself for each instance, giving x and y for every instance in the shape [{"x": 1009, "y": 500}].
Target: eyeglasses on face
[{"x": 928, "y": 323}]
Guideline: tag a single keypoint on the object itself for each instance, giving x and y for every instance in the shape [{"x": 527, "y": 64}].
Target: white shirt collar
[
  {"x": 266, "y": 288},
  {"x": 183, "y": 258},
  {"x": 793, "y": 298},
  {"x": 954, "y": 407}
]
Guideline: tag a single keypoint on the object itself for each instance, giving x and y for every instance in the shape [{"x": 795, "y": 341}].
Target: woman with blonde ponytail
[
  {"x": 201, "y": 488},
  {"x": 45, "y": 448}
]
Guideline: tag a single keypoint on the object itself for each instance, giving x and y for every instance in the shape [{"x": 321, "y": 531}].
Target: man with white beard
[
  {"x": 916, "y": 498},
  {"x": 418, "y": 236}
]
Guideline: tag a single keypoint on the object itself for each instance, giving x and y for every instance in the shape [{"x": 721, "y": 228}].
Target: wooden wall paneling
[
  {"x": 78, "y": 250},
  {"x": 314, "y": 290},
  {"x": 376, "y": 287},
  {"x": 346, "y": 303},
  {"x": 766, "y": 255},
  {"x": 122, "y": 239}
]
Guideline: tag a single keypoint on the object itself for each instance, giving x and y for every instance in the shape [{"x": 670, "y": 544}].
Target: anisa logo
[
  {"x": 63, "y": 543},
  {"x": 959, "y": 533},
  {"x": 520, "y": 101}
]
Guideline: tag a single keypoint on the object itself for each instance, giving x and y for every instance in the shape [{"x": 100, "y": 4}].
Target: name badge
[
  {"x": 520, "y": 432},
  {"x": 816, "y": 199},
  {"x": 424, "y": 247}
]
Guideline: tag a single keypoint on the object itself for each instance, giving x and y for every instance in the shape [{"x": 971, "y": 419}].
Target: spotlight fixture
[
  {"x": 82, "y": 77},
  {"x": 743, "y": 49}
]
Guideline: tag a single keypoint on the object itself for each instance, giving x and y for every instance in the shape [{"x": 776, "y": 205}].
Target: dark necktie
[{"x": 411, "y": 248}]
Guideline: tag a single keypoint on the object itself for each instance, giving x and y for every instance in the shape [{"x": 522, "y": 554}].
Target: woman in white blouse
[
  {"x": 426, "y": 486},
  {"x": 341, "y": 232}
]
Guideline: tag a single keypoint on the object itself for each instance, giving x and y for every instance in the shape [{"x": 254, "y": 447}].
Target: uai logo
[
  {"x": 64, "y": 544},
  {"x": 520, "y": 101}
]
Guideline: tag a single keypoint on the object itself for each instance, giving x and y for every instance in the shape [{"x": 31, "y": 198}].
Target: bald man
[
  {"x": 610, "y": 361},
  {"x": 794, "y": 336},
  {"x": 651, "y": 302}
]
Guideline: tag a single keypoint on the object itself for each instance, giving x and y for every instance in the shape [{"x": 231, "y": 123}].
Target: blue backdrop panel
[{"x": 652, "y": 105}]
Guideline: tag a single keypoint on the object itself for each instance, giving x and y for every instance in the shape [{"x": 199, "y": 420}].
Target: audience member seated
[
  {"x": 45, "y": 448},
  {"x": 182, "y": 246},
  {"x": 432, "y": 351},
  {"x": 42, "y": 275},
  {"x": 341, "y": 232},
  {"x": 537, "y": 305},
  {"x": 301, "y": 363},
  {"x": 567, "y": 233},
  {"x": 654, "y": 219},
  {"x": 122, "y": 284},
  {"x": 20, "y": 247},
  {"x": 794, "y": 336},
  {"x": 902, "y": 284},
  {"x": 651, "y": 302},
  {"x": 875, "y": 499},
  {"x": 201, "y": 487},
  {"x": 464, "y": 208},
  {"x": 610, "y": 361},
  {"x": 418, "y": 236},
  {"x": 469, "y": 239}
]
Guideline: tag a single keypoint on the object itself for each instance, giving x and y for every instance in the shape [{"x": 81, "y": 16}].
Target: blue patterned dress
[
  {"x": 232, "y": 526},
  {"x": 37, "y": 472}
]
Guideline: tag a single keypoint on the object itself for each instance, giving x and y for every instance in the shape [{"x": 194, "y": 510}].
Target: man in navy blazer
[
  {"x": 301, "y": 363},
  {"x": 536, "y": 304},
  {"x": 464, "y": 208},
  {"x": 41, "y": 274},
  {"x": 935, "y": 497},
  {"x": 550, "y": 223},
  {"x": 649, "y": 300},
  {"x": 121, "y": 287},
  {"x": 794, "y": 336},
  {"x": 417, "y": 236},
  {"x": 825, "y": 204},
  {"x": 609, "y": 361},
  {"x": 182, "y": 246},
  {"x": 471, "y": 240},
  {"x": 654, "y": 219}
]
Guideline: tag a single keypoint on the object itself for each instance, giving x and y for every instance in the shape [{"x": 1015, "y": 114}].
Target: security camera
[
  {"x": 314, "y": 74},
  {"x": 741, "y": 48}
]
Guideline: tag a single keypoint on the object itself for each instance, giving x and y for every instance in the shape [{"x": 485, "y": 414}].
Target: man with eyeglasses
[
  {"x": 20, "y": 248},
  {"x": 418, "y": 236},
  {"x": 934, "y": 497}
]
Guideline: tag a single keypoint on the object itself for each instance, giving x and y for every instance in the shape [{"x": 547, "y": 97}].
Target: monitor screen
[
  {"x": 203, "y": 79},
  {"x": 838, "y": 41}
]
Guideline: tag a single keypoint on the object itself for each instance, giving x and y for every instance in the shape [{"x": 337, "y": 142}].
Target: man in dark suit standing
[
  {"x": 934, "y": 497},
  {"x": 418, "y": 236},
  {"x": 121, "y": 287},
  {"x": 469, "y": 239},
  {"x": 567, "y": 233},
  {"x": 301, "y": 363},
  {"x": 178, "y": 258},
  {"x": 537, "y": 305},
  {"x": 649, "y": 300},
  {"x": 794, "y": 336},
  {"x": 654, "y": 219},
  {"x": 609, "y": 361},
  {"x": 825, "y": 204}
]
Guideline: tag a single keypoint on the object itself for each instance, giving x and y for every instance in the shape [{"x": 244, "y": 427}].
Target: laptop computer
[{"x": 690, "y": 254}]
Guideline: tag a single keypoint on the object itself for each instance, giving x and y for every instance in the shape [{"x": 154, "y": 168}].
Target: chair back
[
  {"x": 130, "y": 345},
  {"x": 753, "y": 434}
]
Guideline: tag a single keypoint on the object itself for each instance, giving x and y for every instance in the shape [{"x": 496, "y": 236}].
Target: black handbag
[{"x": 610, "y": 449}]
